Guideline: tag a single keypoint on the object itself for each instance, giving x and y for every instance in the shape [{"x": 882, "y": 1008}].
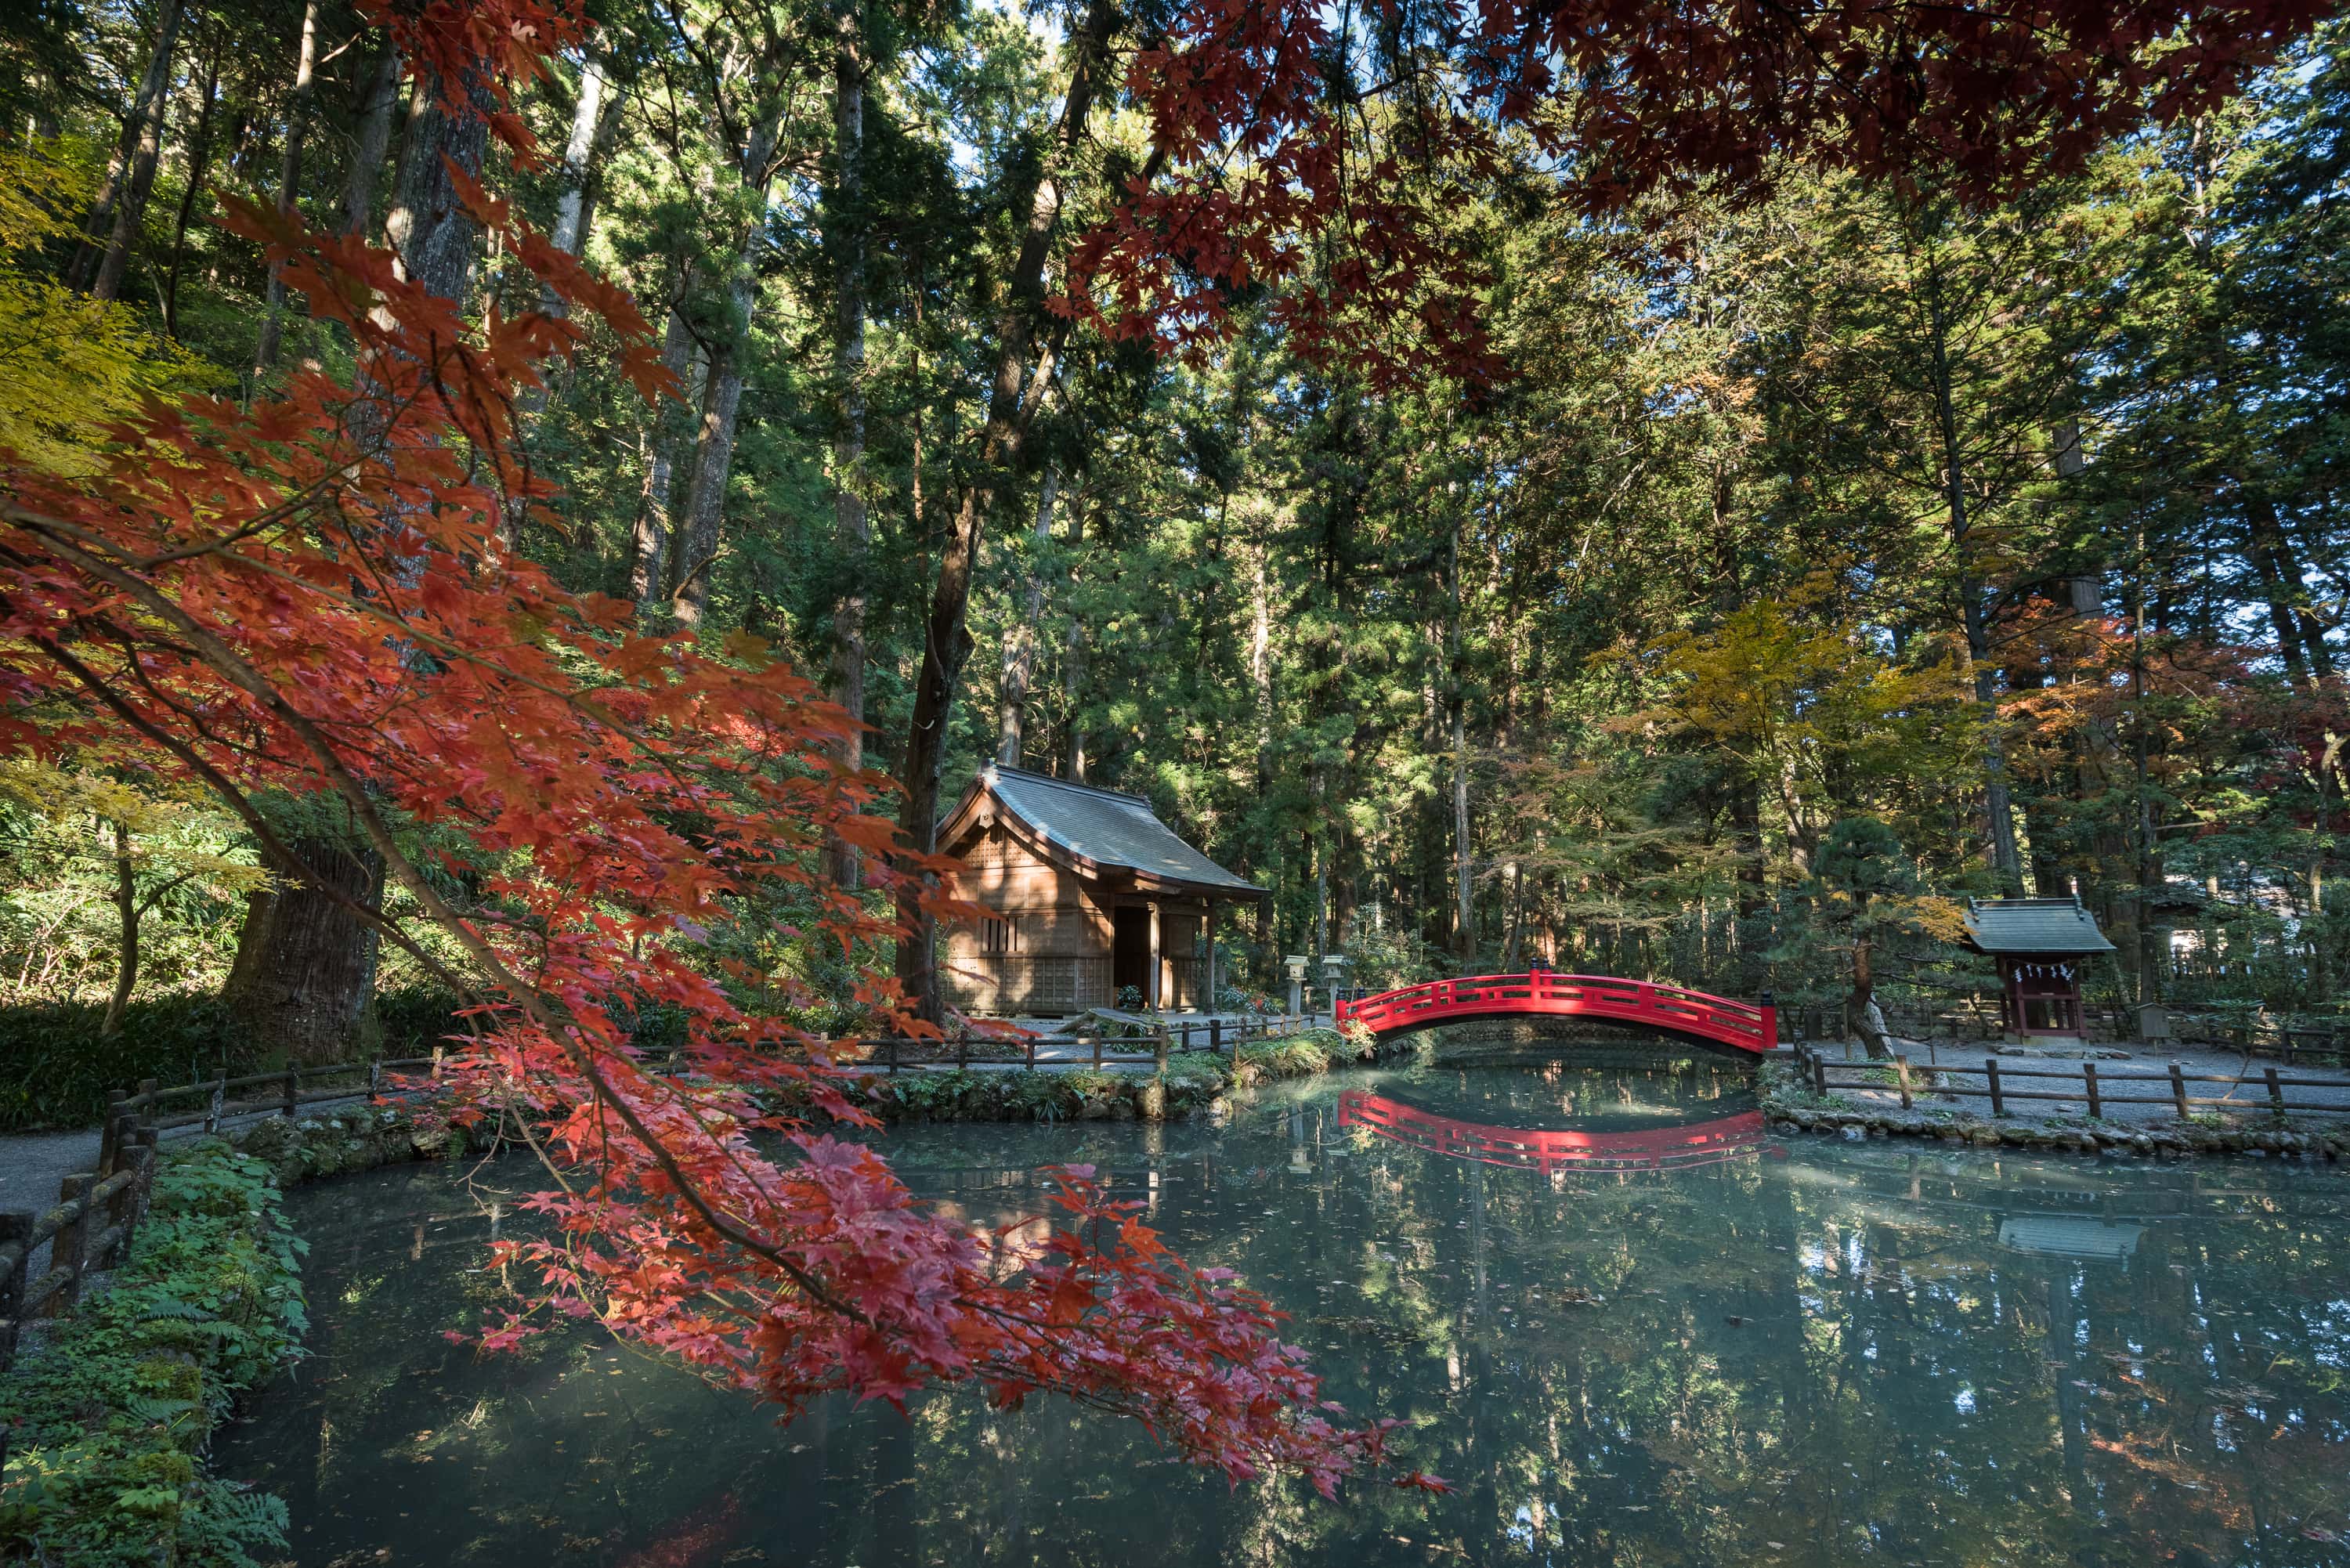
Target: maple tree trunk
[
  {"x": 379, "y": 97},
  {"x": 289, "y": 181},
  {"x": 1018, "y": 388},
  {"x": 1020, "y": 645},
  {"x": 149, "y": 114},
  {"x": 845, "y": 232},
  {"x": 305, "y": 967}
]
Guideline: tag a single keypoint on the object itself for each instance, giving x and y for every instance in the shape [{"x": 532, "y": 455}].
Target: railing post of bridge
[{"x": 1770, "y": 1022}]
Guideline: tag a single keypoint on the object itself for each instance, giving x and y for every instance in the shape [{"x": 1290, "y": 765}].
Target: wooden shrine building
[
  {"x": 1093, "y": 895},
  {"x": 2039, "y": 944}
]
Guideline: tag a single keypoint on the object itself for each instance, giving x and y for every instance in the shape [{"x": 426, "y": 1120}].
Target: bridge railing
[
  {"x": 1747, "y": 1025},
  {"x": 1550, "y": 1150}
]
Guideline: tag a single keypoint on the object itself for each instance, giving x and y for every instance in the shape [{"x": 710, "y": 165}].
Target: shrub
[{"x": 107, "y": 1422}]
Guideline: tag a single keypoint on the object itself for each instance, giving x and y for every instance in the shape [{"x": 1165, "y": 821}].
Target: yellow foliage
[
  {"x": 67, "y": 797},
  {"x": 68, "y": 366}
]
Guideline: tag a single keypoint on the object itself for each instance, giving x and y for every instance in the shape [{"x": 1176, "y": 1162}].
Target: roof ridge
[{"x": 1000, "y": 769}]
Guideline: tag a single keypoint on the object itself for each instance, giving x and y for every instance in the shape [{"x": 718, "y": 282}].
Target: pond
[{"x": 1649, "y": 1332}]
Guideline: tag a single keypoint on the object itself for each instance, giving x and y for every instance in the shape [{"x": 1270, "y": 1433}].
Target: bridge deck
[{"x": 1690, "y": 1014}]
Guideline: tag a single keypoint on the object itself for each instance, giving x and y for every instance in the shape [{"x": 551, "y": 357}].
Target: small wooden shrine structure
[
  {"x": 1092, "y": 894},
  {"x": 2038, "y": 944}
]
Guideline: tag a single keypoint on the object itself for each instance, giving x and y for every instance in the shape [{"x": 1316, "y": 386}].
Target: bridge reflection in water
[{"x": 1680, "y": 1146}]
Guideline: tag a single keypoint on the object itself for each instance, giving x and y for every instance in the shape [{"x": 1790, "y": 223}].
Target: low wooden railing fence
[
  {"x": 1212, "y": 1037},
  {"x": 2094, "y": 1086},
  {"x": 1811, "y": 1024}
]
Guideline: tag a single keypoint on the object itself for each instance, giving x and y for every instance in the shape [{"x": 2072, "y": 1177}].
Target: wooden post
[
  {"x": 1215, "y": 1036},
  {"x": 1097, "y": 1052},
  {"x": 1187, "y": 1039},
  {"x": 963, "y": 1053},
  {"x": 217, "y": 1106},
  {"x": 437, "y": 1052},
  {"x": 109, "y": 1137},
  {"x": 2096, "y": 1104},
  {"x": 1031, "y": 1044},
  {"x": 1991, "y": 1072},
  {"x": 293, "y": 1090},
  {"x": 18, "y": 1226},
  {"x": 1819, "y": 1074},
  {"x": 2276, "y": 1093},
  {"x": 2179, "y": 1090},
  {"x": 1901, "y": 1070},
  {"x": 65, "y": 1251},
  {"x": 1160, "y": 1054},
  {"x": 893, "y": 1054}
]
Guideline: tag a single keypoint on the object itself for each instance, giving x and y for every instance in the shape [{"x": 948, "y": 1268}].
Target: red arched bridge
[{"x": 1743, "y": 1026}]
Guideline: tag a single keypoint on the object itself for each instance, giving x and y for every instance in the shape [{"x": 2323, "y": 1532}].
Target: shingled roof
[
  {"x": 2033, "y": 926},
  {"x": 1097, "y": 831}
]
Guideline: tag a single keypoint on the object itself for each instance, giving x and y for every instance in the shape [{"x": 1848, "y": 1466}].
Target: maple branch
[{"x": 225, "y": 662}]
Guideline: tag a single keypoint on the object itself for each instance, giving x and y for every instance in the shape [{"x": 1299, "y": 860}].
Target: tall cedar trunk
[
  {"x": 1020, "y": 645},
  {"x": 595, "y": 120},
  {"x": 649, "y": 542},
  {"x": 696, "y": 554},
  {"x": 713, "y": 460},
  {"x": 289, "y": 183},
  {"x": 379, "y": 97},
  {"x": 199, "y": 162},
  {"x": 149, "y": 113},
  {"x": 1974, "y": 602},
  {"x": 305, "y": 966},
  {"x": 2300, "y": 633},
  {"x": 127, "y": 912},
  {"x": 1017, "y": 387},
  {"x": 844, "y": 233},
  {"x": 1464, "y": 907},
  {"x": 147, "y": 107}
]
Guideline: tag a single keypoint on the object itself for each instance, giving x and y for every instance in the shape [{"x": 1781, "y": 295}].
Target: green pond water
[{"x": 1658, "y": 1335}]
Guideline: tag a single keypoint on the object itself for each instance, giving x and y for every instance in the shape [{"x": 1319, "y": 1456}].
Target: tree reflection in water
[{"x": 1852, "y": 1352}]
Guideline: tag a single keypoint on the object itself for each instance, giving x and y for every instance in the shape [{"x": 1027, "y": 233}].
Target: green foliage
[{"x": 108, "y": 1421}]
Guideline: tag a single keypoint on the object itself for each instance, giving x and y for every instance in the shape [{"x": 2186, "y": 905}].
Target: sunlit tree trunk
[
  {"x": 148, "y": 114},
  {"x": 289, "y": 183},
  {"x": 1019, "y": 643},
  {"x": 142, "y": 132},
  {"x": 845, "y": 233}
]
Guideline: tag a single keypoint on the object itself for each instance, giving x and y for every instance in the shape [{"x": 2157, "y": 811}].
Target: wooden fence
[
  {"x": 1213, "y": 1037},
  {"x": 2094, "y": 1086},
  {"x": 1812, "y": 1023}
]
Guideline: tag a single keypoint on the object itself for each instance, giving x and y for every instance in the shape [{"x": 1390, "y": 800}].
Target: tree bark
[
  {"x": 149, "y": 113},
  {"x": 721, "y": 401},
  {"x": 200, "y": 162},
  {"x": 1973, "y": 603},
  {"x": 127, "y": 912},
  {"x": 289, "y": 183},
  {"x": 1021, "y": 376},
  {"x": 1020, "y": 645},
  {"x": 379, "y": 97},
  {"x": 141, "y": 129},
  {"x": 649, "y": 542},
  {"x": 845, "y": 233},
  {"x": 305, "y": 967}
]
